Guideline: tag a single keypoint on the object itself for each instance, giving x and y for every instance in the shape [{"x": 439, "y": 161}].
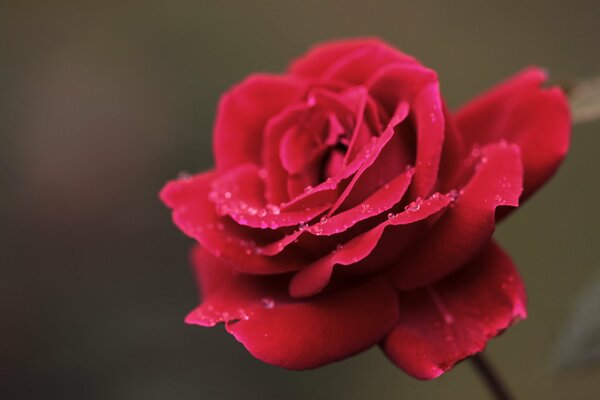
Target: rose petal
[
  {"x": 465, "y": 228},
  {"x": 322, "y": 57},
  {"x": 419, "y": 86},
  {"x": 391, "y": 162},
  {"x": 356, "y": 67},
  {"x": 380, "y": 201},
  {"x": 454, "y": 153},
  {"x": 195, "y": 215},
  {"x": 371, "y": 153},
  {"x": 444, "y": 323},
  {"x": 312, "y": 279},
  {"x": 239, "y": 193},
  {"x": 329, "y": 190},
  {"x": 211, "y": 272},
  {"x": 243, "y": 113},
  {"x": 296, "y": 334},
  {"x": 522, "y": 112},
  {"x": 276, "y": 176}
]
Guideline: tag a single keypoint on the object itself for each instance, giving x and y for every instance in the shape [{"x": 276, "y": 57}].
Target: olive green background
[{"x": 102, "y": 102}]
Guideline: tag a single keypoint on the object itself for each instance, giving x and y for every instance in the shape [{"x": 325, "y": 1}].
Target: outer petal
[
  {"x": 243, "y": 113},
  {"x": 299, "y": 334},
  {"x": 465, "y": 228},
  {"x": 522, "y": 112},
  {"x": 195, "y": 215},
  {"x": 453, "y": 319},
  {"x": 339, "y": 53}
]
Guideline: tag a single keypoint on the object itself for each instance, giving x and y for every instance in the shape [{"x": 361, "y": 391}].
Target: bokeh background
[{"x": 102, "y": 102}]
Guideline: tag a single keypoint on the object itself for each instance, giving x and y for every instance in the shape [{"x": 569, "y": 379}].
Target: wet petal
[
  {"x": 297, "y": 334},
  {"x": 466, "y": 227},
  {"x": 312, "y": 279},
  {"x": 239, "y": 193},
  {"x": 380, "y": 201},
  {"x": 444, "y": 323},
  {"x": 195, "y": 215}
]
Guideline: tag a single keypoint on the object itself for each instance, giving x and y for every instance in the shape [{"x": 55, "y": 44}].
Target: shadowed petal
[{"x": 466, "y": 227}]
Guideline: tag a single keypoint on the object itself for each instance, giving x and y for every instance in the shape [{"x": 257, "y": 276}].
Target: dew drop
[
  {"x": 273, "y": 209},
  {"x": 267, "y": 302},
  {"x": 243, "y": 314}
]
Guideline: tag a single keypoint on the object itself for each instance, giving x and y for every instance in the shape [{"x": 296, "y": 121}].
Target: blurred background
[{"x": 102, "y": 102}]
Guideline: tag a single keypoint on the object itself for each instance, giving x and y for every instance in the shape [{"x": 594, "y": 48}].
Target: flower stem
[{"x": 491, "y": 378}]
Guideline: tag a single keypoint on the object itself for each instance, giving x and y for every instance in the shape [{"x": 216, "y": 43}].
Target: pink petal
[
  {"x": 243, "y": 113},
  {"x": 522, "y": 112},
  {"x": 296, "y": 334},
  {"x": 446, "y": 322},
  {"x": 465, "y": 228}
]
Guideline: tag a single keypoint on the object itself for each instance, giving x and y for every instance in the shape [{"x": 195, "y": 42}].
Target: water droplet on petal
[
  {"x": 273, "y": 209},
  {"x": 267, "y": 302}
]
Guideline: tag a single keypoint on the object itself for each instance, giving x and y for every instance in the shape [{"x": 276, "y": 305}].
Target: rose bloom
[{"x": 350, "y": 208}]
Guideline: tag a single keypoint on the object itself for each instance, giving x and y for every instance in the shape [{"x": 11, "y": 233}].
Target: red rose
[{"x": 348, "y": 207}]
